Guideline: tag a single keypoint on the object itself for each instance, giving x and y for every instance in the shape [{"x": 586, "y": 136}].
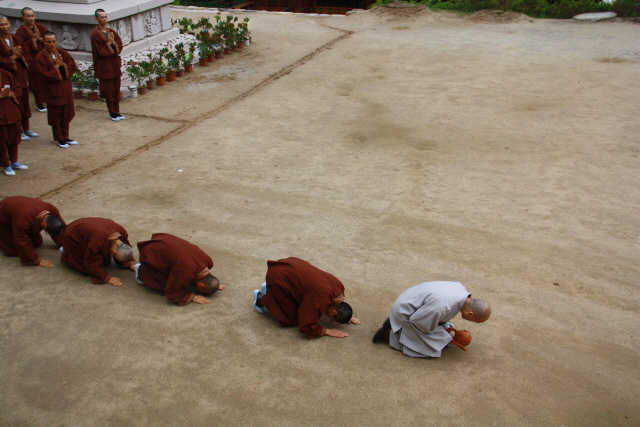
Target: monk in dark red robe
[
  {"x": 89, "y": 243},
  {"x": 16, "y": 62},
  {"x": 10, "y": 116},
  {"x": 105, "y": 48},
  {"x": 297, "y": 294},
  {"x": 21, "y": 221},
  {"x": 31, "y": 33},
  {"x": 176, "y": 268},
  {"x": 57, "y": 67}
]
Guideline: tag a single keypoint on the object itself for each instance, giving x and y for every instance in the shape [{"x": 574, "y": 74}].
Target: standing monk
[
  {"x": 419, "y": 322},
  {"x": 89, "y": 243},
  {"x": 176, "y": 268},
  {"x": 57, "y": 67},
  {"x": 106, "y": 47},
  {"x": 10, "y": 116},
  {"x": 32, "y": 43},
  {"x": 21, "y": 221},
  {"x": 13, "y": 60},
  {"x": 298, "y": 294}
]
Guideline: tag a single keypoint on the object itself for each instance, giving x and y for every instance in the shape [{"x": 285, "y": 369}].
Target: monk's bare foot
[
  {"x": 45, "y": 263},
  {"x": 200, "y": 299},
  {"x": 115, "y": 281},
  {"x": 354, "y": 321},
  {"x": 222, "y": 287}
]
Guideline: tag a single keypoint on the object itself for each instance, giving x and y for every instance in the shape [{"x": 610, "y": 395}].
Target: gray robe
[{"x": 420, "y": 317}]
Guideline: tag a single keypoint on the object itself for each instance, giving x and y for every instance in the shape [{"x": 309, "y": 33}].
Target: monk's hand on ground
[
  {"x": 45, "y": 263},
  {"x": 354, "y": 321},
  {"x": 132, "y": 267},
  {"x": 335, "y": 333},
  {"x": 222, "y": 287},
  {"x": 200, "y": 299},
  {"x": 115, "y": 281}
]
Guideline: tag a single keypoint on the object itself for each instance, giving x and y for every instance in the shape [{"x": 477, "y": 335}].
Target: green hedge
[{"x": 534, "y": 8}]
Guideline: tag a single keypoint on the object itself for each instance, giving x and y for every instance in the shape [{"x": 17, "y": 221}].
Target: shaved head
[
  {"x": 123, "y": 252},
  {"x": 481, "y": 309},
  {"x": 210, "y": 285}
]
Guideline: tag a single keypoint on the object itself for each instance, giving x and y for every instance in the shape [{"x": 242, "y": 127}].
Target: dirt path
[{"x": 389, "y": 148}]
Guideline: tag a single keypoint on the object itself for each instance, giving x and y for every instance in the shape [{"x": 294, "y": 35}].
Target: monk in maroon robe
[
  {"x": 57, "y": 67},
  {"x": 31, "y": 33},
  {"x": 297, "y": 294},
  {"x": 10, "y": 116},
  {"x": 21, "y": 221},
  {"x": 13, "y": 60},
  {"x": 105, "y": 48},
  {"x": 176, "y": 268},
  {"x": 89, "y": 243}
]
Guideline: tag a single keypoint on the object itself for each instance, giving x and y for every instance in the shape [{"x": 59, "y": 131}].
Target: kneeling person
[
  {"x": 418, "y": 324},
  {"x": 89, "y": 244},
  {"x": 177, "y": 269},
  {"x": 297, "y": 294}
]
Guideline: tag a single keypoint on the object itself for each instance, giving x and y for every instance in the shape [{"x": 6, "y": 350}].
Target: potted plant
[
  {"x": 138, "y": 74},
  {"x": 185, "y": 25},
  {"x": 148, "y": 67},
  {"x": 173, "y": 63},
  {"x": 91, "y": 82},
  {"x": 78, "y": 81},
  {"x": 188, "y": 57},
  {"x": 243, "y": 31},
  {"x": 160, "y": 66},
  {"x": 179, "y": 54},
  {"x": 205, "y": 51}
]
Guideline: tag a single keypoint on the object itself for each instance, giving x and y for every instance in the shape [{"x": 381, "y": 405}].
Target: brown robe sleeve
[
  {"x": 106, "y": 59},
  {"x": 22, "y": 229},
  {"x": 312, "y": 308},
  {"x": 7, "y": 62},
  {"x": 9, "y": 111}
]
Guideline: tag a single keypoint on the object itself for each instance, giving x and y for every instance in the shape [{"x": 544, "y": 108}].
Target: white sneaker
[
  {"x": 16, "y": 165},
  {"x": 62, "y": 144},
  {"x": 24, "y": 137},
  {"x": 72, "y": 142},
  {"x": 8, "y": 171},
  {"x": 121, "y": 117},
  {"x": 42, "y": 110},
  {"x": 31, "y": 133}
]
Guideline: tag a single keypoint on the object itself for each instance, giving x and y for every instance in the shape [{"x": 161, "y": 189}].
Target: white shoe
[
  {"x": 42, "y": 110},
  {"x": 24, "y": 137},
  {"x": 137, "y": 267},
  {"x": 61, "y": 249},
  {"x": 62, "y": 144},
  {"x": 31, "y": 133},
  {"x": 121, "y": 117},
  {"x": 16, "y": 165},
  {"x": 256, "y": 298},
  {"x": 263, "y": 288},
  {"x": 72, "y": 142},
  {"x": 8, "y": 171}
]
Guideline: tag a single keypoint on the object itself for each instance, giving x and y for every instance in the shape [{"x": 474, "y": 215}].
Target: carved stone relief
[
  {"x": 68, "y": 36},
  {"x": 123, "y": 28},
  {"x": 152, "y": 23}
]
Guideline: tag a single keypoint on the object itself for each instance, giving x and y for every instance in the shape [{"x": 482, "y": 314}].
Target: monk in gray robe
[{"x": 419, "y": 322}]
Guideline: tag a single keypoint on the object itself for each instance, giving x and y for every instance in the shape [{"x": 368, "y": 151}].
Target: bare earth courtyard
[{"x": 388, "y": 147}]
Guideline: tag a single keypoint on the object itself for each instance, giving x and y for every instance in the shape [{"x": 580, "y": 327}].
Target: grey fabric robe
[{"x": 420, "y": 317}]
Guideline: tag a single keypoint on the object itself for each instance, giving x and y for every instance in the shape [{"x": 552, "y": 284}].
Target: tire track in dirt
[{"x": 186, "y": 125}]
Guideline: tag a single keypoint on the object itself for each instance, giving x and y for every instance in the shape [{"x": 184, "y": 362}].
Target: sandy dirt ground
[{"x": 389, "y": 147}]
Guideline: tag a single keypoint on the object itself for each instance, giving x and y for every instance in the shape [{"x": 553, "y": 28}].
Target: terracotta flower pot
[
  {"x": 180, "y": 73},
  {"x": 227, "y": 51},
  {"x": 234, "y": 48},
  {"x": 92, "y": 96},
  {"x": 240, "y": 45},
  {"x": 219, "y": 54},
  {"x": 203, "y": 62},
  {"x": 189, "y": 68},
  {"x": 171, "y": 76},
  {"x": 211, "y": 57},
  {"x": 78, "y": 94},
  {"x": 151, "y": 84},
  {"x": 160, "y": 81},
  {"x": 142, "y": 90}
]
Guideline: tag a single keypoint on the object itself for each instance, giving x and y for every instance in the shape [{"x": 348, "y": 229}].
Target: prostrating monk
[
  {"x": 297, "y": 294},
  {"x": 106, "y": 47},
  {"x": 10, "y": 116},
  {"x": 30, "y": 32},
  {"x": 89, "y": 244},
  {"x": 13, "y": 60},
  {"x": 176, "y": 268},
  {"x": 21, "y": 220},
  {"x": 418, "y": 324}
]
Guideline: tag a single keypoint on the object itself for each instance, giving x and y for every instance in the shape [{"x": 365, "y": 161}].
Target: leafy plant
[
  {"x": 189, "y": 55},
  {"x": 160, "y": 63},
  {"x": 85, "y": 79},
  {"x": 138, "y": 72}
]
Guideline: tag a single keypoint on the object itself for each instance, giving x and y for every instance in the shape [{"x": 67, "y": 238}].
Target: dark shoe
[{"x": 383, "y": 333}]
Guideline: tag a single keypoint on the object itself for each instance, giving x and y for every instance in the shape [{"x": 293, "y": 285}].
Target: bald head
[
  {"x": 208, "y": 285},
  {"x": 481, "y": 309},
  {"x": 124, "y": 252}
]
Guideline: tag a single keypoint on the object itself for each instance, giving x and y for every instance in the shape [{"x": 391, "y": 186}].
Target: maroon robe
[
  {"x": 86, "y": 244},
  {"x": 299, "y": 294},
  {"x": 18, "y": 68},
  {"x": 106, "y": 66},
  {"x": 20, "y": 219},
  {"x": 169, "y": 264},
  {"x": 10, "y": 116},
  {"x": 31, "y": 48},
  {"x": 58, "y": 91}
]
